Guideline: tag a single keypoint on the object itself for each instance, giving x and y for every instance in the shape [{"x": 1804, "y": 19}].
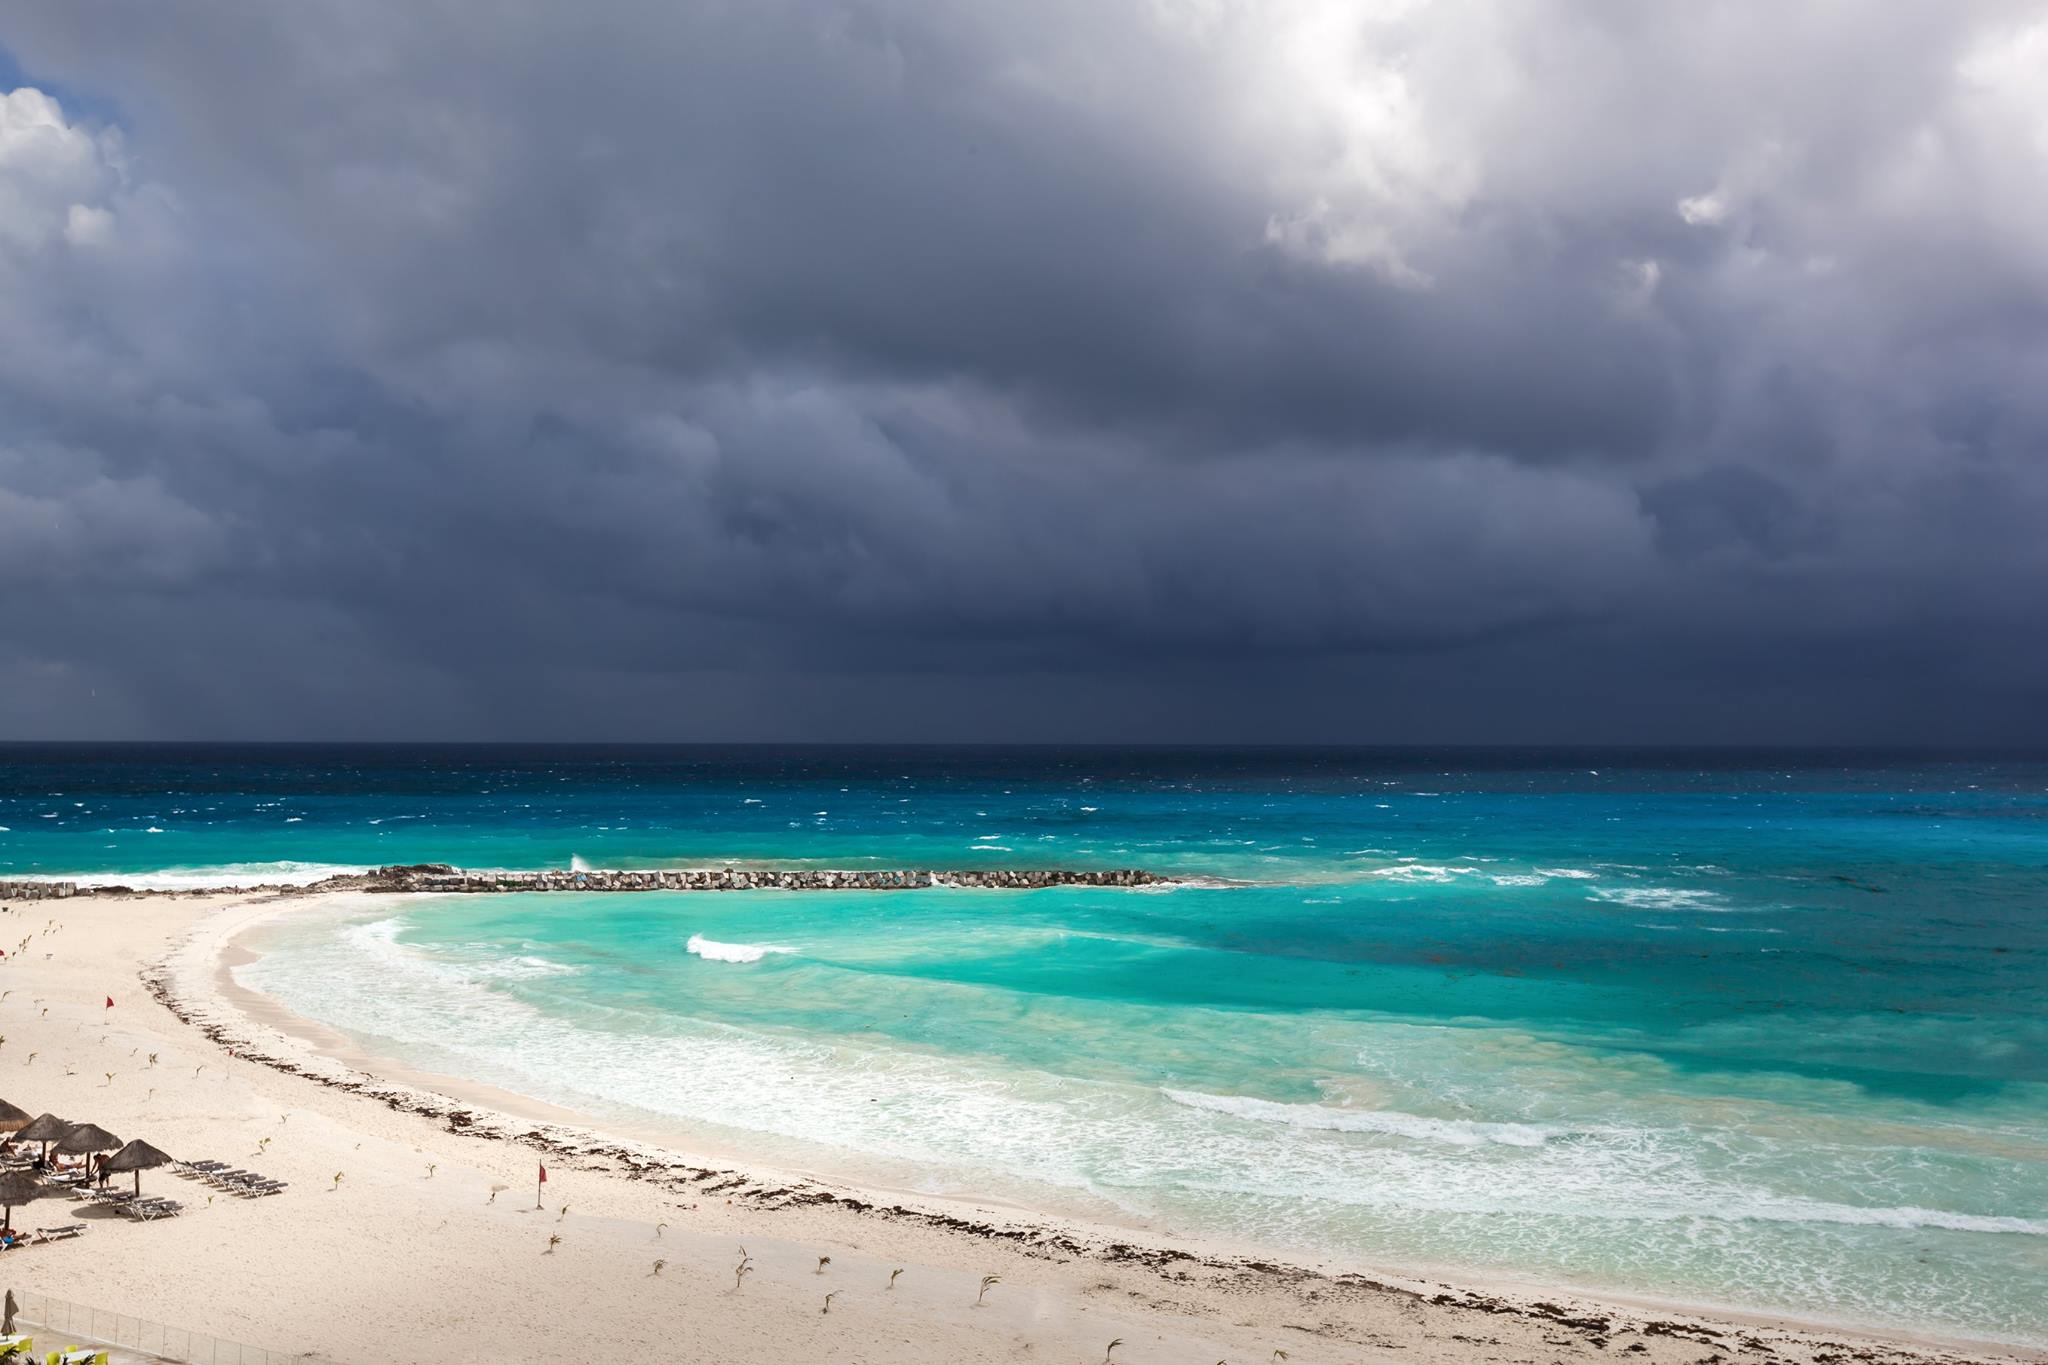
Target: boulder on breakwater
[{"x": 36, "y": 891}]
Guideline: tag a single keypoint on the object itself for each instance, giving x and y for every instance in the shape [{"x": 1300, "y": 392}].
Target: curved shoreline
[{"x": 194, "y": 981}]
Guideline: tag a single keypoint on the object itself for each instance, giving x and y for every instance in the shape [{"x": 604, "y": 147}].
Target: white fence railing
[{"x": 77, "y": 1323}]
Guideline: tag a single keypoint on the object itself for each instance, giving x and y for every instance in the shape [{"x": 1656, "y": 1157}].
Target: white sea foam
[
  {"x": 713, "y": 951},
  {"x": 1760, "y": 1207},
  {"x": 522, "y": 968},
  {"x": 1422, "y": 872},
  {"x": 990, "y": 848},
  {"x": 377, "y": 941},
  {"x": 205, "y": 878},
  {"x": 1660, "y": 897},
  {"x": 1327, "y": 1118}
]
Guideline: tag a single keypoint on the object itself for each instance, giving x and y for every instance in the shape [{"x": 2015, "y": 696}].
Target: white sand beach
[{"x": 409, "y": 1230}]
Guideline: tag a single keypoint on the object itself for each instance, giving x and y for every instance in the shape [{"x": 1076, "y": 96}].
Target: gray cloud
[{"x": 1180, "y": 369}]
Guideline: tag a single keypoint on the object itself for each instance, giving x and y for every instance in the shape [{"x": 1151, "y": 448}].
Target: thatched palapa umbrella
[
  {"x": 11, "y": 1120},
  {"x": 138, "y": 1156},
  {"x": 44, "y": 1128},
  {"x": 18, "y": 1187},
  {"x": 85, "y": 1139}
]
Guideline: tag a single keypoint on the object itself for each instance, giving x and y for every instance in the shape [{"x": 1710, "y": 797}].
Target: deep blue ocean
[{"x": 1764, "y": 1029}]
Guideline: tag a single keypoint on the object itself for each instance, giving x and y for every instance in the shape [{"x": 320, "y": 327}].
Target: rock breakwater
[
  {"x": 442, "y": 879},
  {"x": 445, "y": 879}
]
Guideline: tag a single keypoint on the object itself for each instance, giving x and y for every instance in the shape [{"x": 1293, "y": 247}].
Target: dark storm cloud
[{"x": 1178, "y": 368}]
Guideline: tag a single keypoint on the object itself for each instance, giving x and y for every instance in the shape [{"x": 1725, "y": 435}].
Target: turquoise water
[{"x": 1764, "y": 1030}]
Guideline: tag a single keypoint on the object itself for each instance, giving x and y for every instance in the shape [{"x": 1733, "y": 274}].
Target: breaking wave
[
  {"x": 286, "y": 873},
  {"x": 713, "y": 951}
]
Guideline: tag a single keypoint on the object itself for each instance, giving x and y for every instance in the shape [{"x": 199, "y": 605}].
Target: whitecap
[
  {"x": 990, "y": 848},
  {"x": 1421, "y": 872},
  {"x": 713, "y": 951},
  {"x": 1660, "y": 897}
]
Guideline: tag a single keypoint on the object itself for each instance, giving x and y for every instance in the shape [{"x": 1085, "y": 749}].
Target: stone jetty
[{"x": 444, "y": 879}]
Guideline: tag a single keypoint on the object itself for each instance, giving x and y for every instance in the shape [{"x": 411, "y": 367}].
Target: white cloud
[
  {"x": 1703, "y": 210},
  {"x": 48, "y": 168},
  {"x": 85, "y": 225}
]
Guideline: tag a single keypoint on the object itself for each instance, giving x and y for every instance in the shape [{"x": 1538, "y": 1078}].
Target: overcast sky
[{"x": 1306, "y": 370}]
